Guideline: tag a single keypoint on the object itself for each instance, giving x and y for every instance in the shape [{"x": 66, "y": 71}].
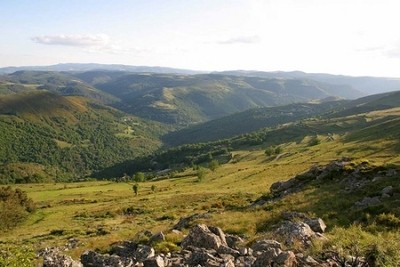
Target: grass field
[{"x": 100, "y": 213}]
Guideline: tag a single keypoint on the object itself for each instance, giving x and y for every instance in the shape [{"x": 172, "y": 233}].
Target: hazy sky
[{"x": 355, "y": 37}]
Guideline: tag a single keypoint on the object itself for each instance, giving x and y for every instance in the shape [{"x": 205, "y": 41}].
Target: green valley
[{"x": 95, "y": 172}]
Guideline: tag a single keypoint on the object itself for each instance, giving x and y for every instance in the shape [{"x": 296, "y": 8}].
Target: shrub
[
  {"x": 314, "y": 141},
  {"x": 15, "y": 207},
  {"x": 213, "y": 165},
  {"x": 201, "y": 174}
]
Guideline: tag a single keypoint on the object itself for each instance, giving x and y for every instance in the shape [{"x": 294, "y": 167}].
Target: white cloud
[
  {"x": 91, "y": 43},
  {"x": 242, "y": 40},
  {"x": 98, "y": 40}
]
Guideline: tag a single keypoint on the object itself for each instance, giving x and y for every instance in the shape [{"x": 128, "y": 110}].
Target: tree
[
  {"x": 201, "y": 174},
  {"x": 15, "y": 206},
  {"x": 135, "y": 188},
  {"x": 139, "y": 177},
  {"x": 213, "y": 165}
]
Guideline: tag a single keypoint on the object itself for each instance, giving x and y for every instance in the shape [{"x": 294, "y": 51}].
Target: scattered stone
[
  {"x": 187, "y": 221},
  {"x": 316, "y": 224},
  {"x": 157, "y": 237},
  {"x": 388, "y": 190},
  {"x": 144, "y": 252},
  {"x": 286, "y": 258},
  {"x": 295, "y": 231},
  {"x": 201, "y": 236},
  {"x": 53, "y": 258},
  {"x": 368, "y": 201},
  {"x": 233, "y": 241},
  {"x": 265, "y": 244},
  {"x": 227, "y": 250},
  {"x": 157, "y": 261},
  {"x": 125, "y": 249},
  {"x": 94, "y": 259}
]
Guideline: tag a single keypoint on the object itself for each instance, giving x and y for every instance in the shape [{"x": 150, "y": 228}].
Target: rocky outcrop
[
  {"x": 204, "y": 237},
  {"x": 204, "y": 246},
  {"x": 52, "y": 257}
]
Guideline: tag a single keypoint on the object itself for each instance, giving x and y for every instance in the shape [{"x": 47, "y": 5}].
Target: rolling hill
[
  {"x": 248, "y": 121},
  {"x": 175, "y": 99},
  {"x": 67, "y": 138},
  {"x": 366, "y": 85},
  {"x": 188, "y": 99}
]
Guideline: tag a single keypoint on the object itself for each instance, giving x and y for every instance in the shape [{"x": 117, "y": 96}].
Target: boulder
[
  {"x": 368, "y": 201},
  {"x": 124, "y": 249},
  {"x": 233, "y": 241},
  {"x": 295, "y": 231},
  {"x": 94, "y": 259},
  {"x": 203, "y": 257},
  {"x": 144, "y": 252},
  {"x": 227, "y": 250},
  {"x": 265, "y": 244},
  {"x": 157, "y": 261},
  {"x": 53, "y": 258},
  {"x": 316, "y": 224},
  {"x": 388, "y": 190},
  {"x": 286, "y": 259},
  {"x": 202, "y": 237},
  {"x": 187, "y": 221}
]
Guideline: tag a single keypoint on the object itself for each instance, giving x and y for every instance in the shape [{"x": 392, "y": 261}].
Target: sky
[{"x": 350, "y": 37}]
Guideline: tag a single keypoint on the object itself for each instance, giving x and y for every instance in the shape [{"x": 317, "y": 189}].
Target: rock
[
  {"x": 228, "y": 263},
  {"x": 368, "y": 201},
  {"x": 233, "y": 241},
  {"x": 154, "y": 262},
  {"x": 295, "y": 231},
  {"x": 203, "y": 257},
  {"x": 245, "y": 261},
  {"x": 217, "y": 231},
  {"x": 186, "y": 221},
  {"x": 201, "y": 236},
  {"x": 157, "y": 237},
  {"x": 388, "y": 190},
  {"x": 286, "y": 259},
  {"x": 93, "y": 259},
  {"x": 144, "y": 252},
  {"x": 283, "y": 185},
  {"x": 265, "y": 244},
  {"x": 125, "y": 249},
  {"x": 53, "y": 258},
  {"x": 227, "y": 250},
  {"x": 291, "y": 215},
  {"x": 263, "y": 260},
  {"x": 316, "y": 224}
]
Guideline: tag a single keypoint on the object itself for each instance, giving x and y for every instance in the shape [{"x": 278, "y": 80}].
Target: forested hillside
[{"x": 47, "y": 137}]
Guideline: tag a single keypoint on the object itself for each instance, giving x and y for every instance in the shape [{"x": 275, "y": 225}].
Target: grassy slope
[
  {"x": 82, "y": 209},
  {"x": 248, "y": 121},
  {"x": 69, "y": 133}
]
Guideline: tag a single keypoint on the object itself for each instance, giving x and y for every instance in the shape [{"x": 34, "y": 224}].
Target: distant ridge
[
  {"x": 366, "y": 84},
  {"x": 95, "y": 66}
]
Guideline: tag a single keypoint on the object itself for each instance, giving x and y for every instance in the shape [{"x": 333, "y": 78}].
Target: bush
[
  {"x": 201, "y": 174},
  {"x": 15, "y": 207},
  {"x": 213, "y": 165},
  {"x": 314, "y": 141}
]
